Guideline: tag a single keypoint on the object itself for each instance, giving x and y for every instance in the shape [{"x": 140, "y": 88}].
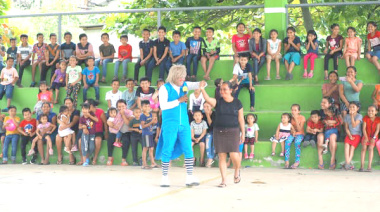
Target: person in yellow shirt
[{"x": 10, "y": 125}]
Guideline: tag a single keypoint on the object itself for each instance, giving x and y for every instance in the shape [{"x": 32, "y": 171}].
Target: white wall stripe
[{"x": 274, "y": 10}]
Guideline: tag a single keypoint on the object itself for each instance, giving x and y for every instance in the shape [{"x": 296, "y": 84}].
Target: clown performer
[{"x": 175, "y": 138}]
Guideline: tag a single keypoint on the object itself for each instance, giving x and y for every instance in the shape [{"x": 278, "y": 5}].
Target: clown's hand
[
  {"x": 183, "y": 99},
  {"x": 202, "y": 84}
]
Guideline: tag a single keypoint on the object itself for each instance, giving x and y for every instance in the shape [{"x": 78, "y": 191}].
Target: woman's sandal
[
  {"x": 333, "y": 166},
  {"x": 294, "y": 166},
  {"x": 237, "y": 179},
  {"x": 94, "y": 162},
  {"x": 286, "y": 166},
  {"x": 110, "y": 162},
  {"x": 361, "y": 170},
  {"x": 59, "y": 162},
  {"x": 80, "y": 163},
  {"x": 222, "y": 185},
  {"x": 321, "y": 166},
  {"x": 369, "y": 170},
  {"x": 124, "y": 163}
]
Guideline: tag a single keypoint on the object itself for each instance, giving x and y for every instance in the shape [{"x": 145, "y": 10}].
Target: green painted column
[{"x": 275, "y": 17}]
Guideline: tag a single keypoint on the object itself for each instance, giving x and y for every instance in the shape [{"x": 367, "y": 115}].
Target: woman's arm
[
  {"x": 241, "y": 124},
  {"x": 356, "y": 88},
  {"x": 342, "y": 96},
  {"x": 208, "y": 99}
]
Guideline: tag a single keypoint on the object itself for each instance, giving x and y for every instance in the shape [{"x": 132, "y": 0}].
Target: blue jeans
[
  {"x": 162, "y": 66},
  {"x": 210, "y": 149},
  {"x": 8, "y": 139},
  {"x": 1, "y": 65},
  {"x": 125, "y": 67},
  {"x": 251, "y": 93},
  {"x": 88, "y": 144},
  {"x": 96, "y": 92},
  {"x": 169, "y": 63},
  {"x": 257, "y": 65},
  {"x": 7, "y": 90},
  {"x": 192, "y": 58},
  {"x": 104, "y": 66}
]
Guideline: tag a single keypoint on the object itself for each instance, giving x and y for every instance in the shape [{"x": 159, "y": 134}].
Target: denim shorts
[
  {"x": 375, "y": 53},
  {"x": 329, "y": 132},
  {"x": 8, "y": 90}
]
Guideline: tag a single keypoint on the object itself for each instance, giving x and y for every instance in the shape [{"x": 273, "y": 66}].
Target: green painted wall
[{"x": 275, "y": 20}]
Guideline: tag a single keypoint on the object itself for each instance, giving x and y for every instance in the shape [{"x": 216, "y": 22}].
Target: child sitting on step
[
  {"x": 314, "y": 127},
  {"x": 282, "y": 133},
  {"x": 353, "y": 125}
]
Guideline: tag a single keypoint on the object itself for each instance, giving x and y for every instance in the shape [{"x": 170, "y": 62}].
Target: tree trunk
[{"x": 307, "y": 21}]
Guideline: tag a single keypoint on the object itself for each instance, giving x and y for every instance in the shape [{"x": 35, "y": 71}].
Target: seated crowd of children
[{"x": 134, "y": 115}]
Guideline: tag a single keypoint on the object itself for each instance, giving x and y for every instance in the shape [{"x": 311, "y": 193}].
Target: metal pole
[
  {"x": 335, "y": 4},
  {"x": 136, "y": 11},
  {"x": 287, "y": 16},
  {"x": 158, "y": 18},
  {"x": 59, "y": 29}
]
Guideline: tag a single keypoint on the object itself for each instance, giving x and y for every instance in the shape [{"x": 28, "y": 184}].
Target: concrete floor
[{"x": 116, "y": 188}]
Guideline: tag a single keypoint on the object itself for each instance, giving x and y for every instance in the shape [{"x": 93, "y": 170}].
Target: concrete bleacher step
[{"x": 263, "y": 158}]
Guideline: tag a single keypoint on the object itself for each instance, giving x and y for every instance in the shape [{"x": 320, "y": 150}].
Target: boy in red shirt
[
  {"x": 314, "y": 127},
  {"x": 124, "y": 57},
  {"x": 27, "y": 129}
]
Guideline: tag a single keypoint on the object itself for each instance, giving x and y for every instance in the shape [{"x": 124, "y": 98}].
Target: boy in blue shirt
[
  {"x": 194, "y": 46},
  {"x": 177, "y": 51},
  {"x": 129, "y": 95},
  {"x": 146, "y": 52},
  {"x": 147, "y": 121},
  {"x": 160, "y": 53},
  {"x": 90, "y": 78}
]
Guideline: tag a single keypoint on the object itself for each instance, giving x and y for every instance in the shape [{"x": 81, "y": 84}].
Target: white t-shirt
[
  {"x": 8, "y": 75},
  {"x": 74, "y": 73},
  {"x": 273, "y": 45},
  {"x": 198, "y": 127},
  {"x": 114, "y": 97},
  {"x": 196, "y": 101},
  {"x": 24, "y": 51},
  {"x": 250, "y": 131}
]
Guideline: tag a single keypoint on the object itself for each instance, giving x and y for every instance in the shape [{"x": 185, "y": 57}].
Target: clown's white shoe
[
  {"x": 191, "y": 180},
  {"x": 165, "y": 181}
]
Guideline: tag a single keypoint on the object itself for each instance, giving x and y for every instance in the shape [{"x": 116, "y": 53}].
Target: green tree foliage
[
  {"x": 323, "y": 17},
  {"x": 4, "y": 6},
  {"x": 222, "y": 20}
]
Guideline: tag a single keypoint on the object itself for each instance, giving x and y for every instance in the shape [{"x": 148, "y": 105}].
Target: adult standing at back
[{"x": 229, "y": 129}]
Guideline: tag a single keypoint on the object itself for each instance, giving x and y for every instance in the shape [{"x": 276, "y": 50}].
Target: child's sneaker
[
  {"x": 51, "y": 152},
  {"x": 67, "y": 150},
  {"x": 117, "y": 144},
  {"x": 313, "y": 144},
  {"x": 31, "y": 152},
  {"x": 245, "y": 156},
  {"x": 325, "y": 150},
  {"x": 281, "y": 154},
  {"x": 251, "y": 156},
  {"x": 74, "y": 148},
  {"x": 5, "y": 162},
  {"x": 24, "y": 162}
]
